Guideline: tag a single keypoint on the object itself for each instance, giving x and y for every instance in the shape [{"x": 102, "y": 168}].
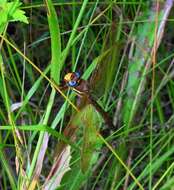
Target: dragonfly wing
[
  {"x": 90, "y": 119},
  {"x": 105, "y": 72}
]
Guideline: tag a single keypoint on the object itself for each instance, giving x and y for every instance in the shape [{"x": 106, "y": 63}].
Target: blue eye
[
  {"x": 77, "y": 74},
  {"x": 72, "y": 83}
]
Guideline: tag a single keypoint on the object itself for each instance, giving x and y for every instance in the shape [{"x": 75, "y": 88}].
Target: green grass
[{"x": 124, "y": 49}]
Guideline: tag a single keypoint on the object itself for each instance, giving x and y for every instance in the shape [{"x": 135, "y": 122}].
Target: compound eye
[
  {"x": 72, "y": 83},
  {"x": 68, "y": 77},
  {"x": 77, "y": 74}
]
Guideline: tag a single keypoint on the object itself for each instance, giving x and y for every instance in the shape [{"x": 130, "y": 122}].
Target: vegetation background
[{"x": 124, "y": 49}]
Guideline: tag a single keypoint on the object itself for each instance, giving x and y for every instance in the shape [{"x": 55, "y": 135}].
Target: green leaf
[
  {"x": 1, "y": 29},
  {"x": 10, "y": 12},
  {"x": 3, "y": 13},
  {"x": 3, "y": 2},
  {"x": 55, "y": 42},
  {"x": 19, "y": 15}
]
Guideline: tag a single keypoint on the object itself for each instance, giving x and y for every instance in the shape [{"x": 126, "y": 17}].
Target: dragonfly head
[{"x": 72, "y": 79}]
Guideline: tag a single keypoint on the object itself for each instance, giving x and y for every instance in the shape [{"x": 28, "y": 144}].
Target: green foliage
[
  {"x": 55, "y": 42},
  {"x": 138, "y": 66},
  {"x": 112, "y": 44},
  {"x": 11, "y": 12}
]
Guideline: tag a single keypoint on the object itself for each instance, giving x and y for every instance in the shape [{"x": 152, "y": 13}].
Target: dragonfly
[
  {"x": 74, "y": 81},
  {"x": 88, "y": 92},
  {"x": 88, "y": 108}
]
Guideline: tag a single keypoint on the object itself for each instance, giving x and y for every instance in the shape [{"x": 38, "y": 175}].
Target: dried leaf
[
  {"x": 39, "y": 163},
  {"x": 62, "y": 168},
  {"x": 15, "y": 106},
  {"x": 17, "y": 164}
]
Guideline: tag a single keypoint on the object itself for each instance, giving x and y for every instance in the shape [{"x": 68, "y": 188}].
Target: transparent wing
[
  {"x": 105, "y": 72},
  {"x": 90, "y": 120}
]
